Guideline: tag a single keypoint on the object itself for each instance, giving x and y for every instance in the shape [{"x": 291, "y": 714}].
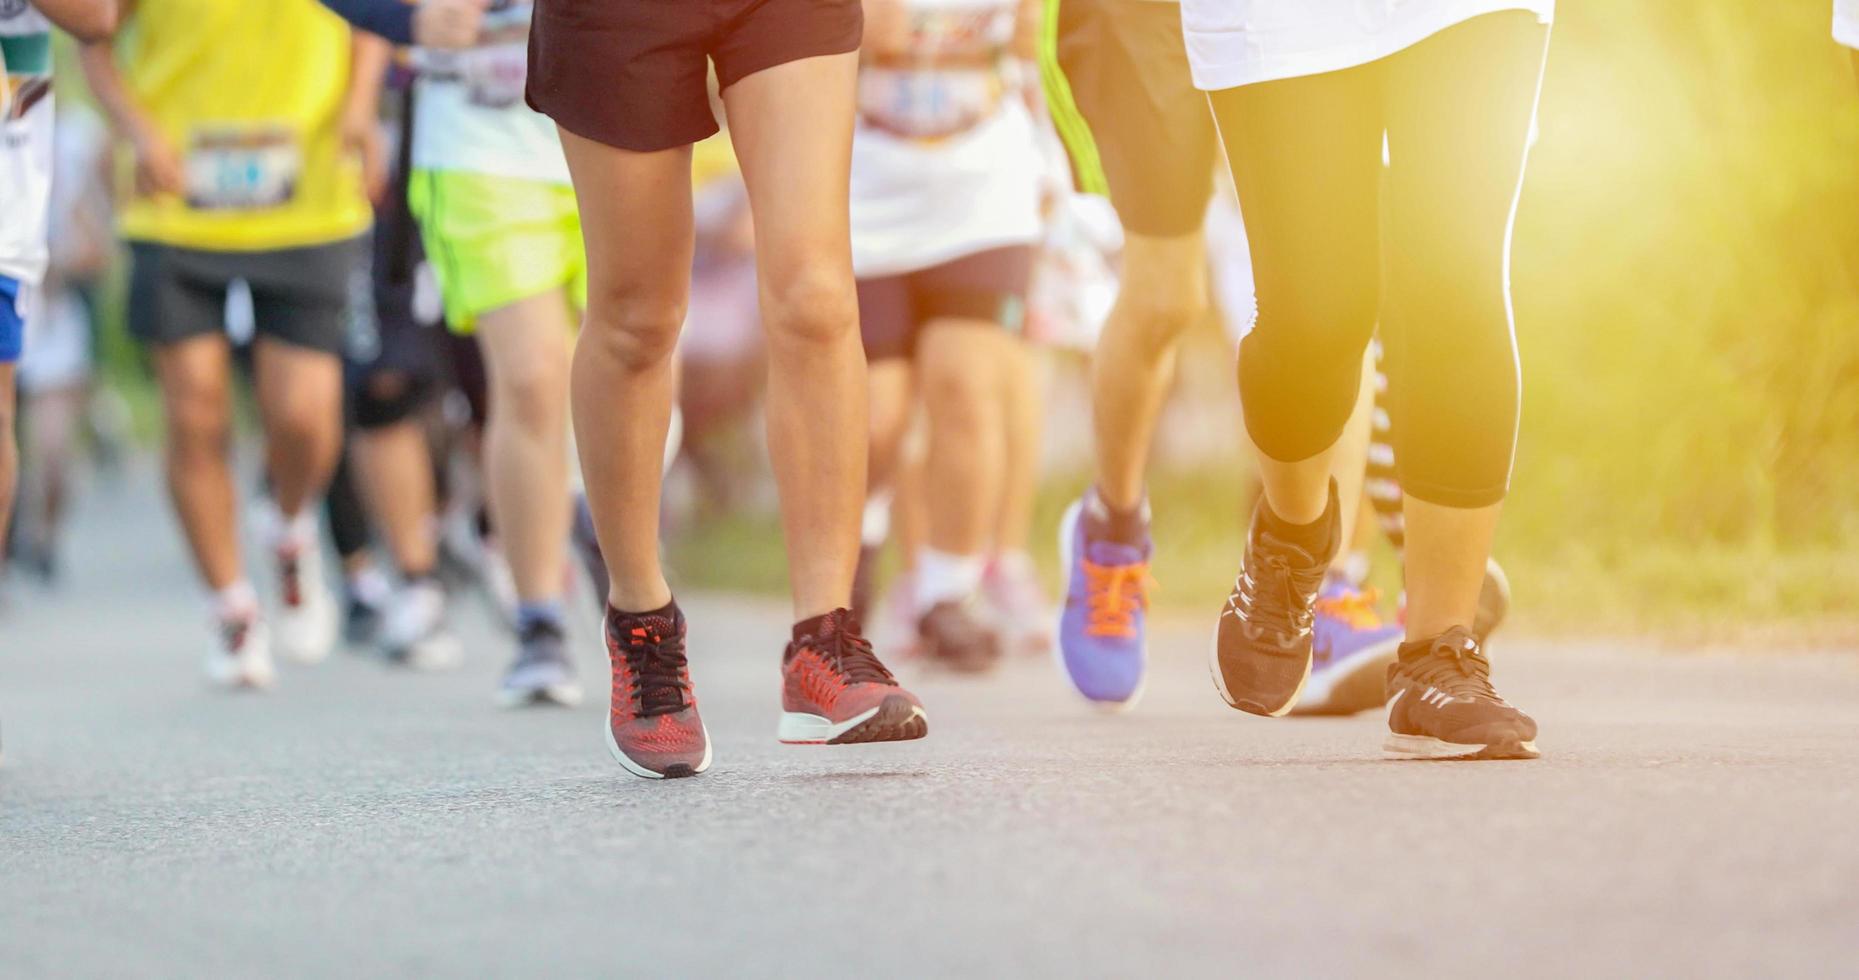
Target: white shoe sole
[
  {"x": 613, "y": 749},
  {"x": 1068, "y": 526},
  {"x": 1413, "y": 747},
  {"x": 1213, "y": 666},
  {"x": 442, "y": 652},
  {"x": 235, "y": 677},
  {"x": 1321, "y": 687},
  {"x": 803, "y": 728}
]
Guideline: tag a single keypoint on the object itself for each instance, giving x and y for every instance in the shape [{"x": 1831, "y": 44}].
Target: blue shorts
[{"x": 12, "y": 321}]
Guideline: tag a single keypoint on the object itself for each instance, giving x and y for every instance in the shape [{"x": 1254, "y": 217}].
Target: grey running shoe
[{"x": 542, "y": 672}]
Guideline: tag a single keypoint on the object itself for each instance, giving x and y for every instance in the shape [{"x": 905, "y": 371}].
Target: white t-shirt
[
  {"x": 1240, "y": 42},
  {"x": 945, "y": 161},
  {"x": 470, "y": 114},
  {"x": 25, "y": 139},
  {"x": 1846, "y": 22}
]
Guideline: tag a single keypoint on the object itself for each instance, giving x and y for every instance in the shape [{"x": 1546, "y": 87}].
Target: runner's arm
[
  {"x": 158, "y": 170},
  {"x": 360, "y": 123},
  {"x": 86, "y": 20}
]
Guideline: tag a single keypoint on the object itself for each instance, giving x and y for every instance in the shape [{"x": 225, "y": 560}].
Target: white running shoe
[
  {"x": 1011, "y": 587},
  {"x": 415, "y": 634},
  {"x": 307, "y": 616},
  {"x": 241, "y": 655}
]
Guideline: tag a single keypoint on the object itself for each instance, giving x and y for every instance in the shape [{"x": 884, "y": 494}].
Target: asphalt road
[{"x": 1693, "y": 815}]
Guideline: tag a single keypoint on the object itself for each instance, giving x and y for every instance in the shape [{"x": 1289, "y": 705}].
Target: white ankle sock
[
  {"x": 876, "y": 526},
  {"x": 942, "y": 577},
  {"x": 295, "y": 532},
  {"x": 234, "y": 602}
]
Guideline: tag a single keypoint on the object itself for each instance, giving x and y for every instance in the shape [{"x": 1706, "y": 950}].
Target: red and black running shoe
[
  {"x": 834, "y": 691},
  {"x": 652, "y": 726}
]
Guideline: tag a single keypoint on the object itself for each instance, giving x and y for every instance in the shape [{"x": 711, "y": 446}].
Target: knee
[
  {"x": 814, "y": 307},
  {"x": 1157, "y": 318},
  {"x": 1329, "y": 321},
  {"x": 635, "y": 329},
  {"x": 389, "y": 398},
  {"x": 199, "y": 419},
  {"x": 957, "y": 402},
  {"x": 534, "y": 391},
  {"x": 304, "y": 421}
]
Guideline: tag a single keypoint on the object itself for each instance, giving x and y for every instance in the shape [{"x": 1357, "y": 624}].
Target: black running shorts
[
  {"x": 632, "y": 73},
  {"x": 1125, "y": 67},
  {"x": 301, "y": 296},
  {"x": 986, "y": 287}
]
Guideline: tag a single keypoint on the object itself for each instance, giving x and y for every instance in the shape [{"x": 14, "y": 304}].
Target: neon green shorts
[{"x": 495, "y": 240}]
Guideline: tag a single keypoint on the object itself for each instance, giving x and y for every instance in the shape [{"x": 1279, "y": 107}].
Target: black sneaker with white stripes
[
  {"x": 1262, "y": 645},
  {"x": 1441, "y": 705}
]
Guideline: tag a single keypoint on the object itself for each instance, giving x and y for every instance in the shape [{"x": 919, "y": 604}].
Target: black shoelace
[
  {"x": 1458, "y": 667},
  {"x": 850, "y": 654},
  {"x": 1270, "y": 603},
  {"x": 656, "y": 662}
]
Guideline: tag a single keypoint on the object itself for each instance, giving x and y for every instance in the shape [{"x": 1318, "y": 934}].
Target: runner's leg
[
  {"x": 52, "y": 428},
  {"x": 393, "y": 466},
  {"x": 9, "y": 452},
  {"x": 636, "y": 218},
  {"x": 792, "y": 129},
  {"x": 1306, "y": 159},
  {"x": 1309, "y": 194},
  {"x": 1460, "y": 109},
  {"x": 1163, "y": 292},
  {"x": 300, "y": 402},
  {"x": 960, "y": 361},
  {"x": 526, "y": 352},
  {"x": 1023, "y": 405},
  {"x": 196, "y": 389}
]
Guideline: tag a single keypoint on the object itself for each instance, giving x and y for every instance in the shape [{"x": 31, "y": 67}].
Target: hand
[
  {"x": 158, "y": 168},
  {"x": 361, "y": 136},
  {"x": 449, "y": 24}
]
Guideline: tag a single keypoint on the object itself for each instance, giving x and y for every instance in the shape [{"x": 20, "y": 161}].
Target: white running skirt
[{"x": 1240, "y": 42}]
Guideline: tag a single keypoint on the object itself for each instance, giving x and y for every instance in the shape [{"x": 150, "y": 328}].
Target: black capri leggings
[{"x": 1423, "y": 248}]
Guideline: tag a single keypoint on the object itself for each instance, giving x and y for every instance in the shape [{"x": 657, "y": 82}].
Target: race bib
[
  {"x": 944, "y": 79},
  {"x": 242, "y": 167}
]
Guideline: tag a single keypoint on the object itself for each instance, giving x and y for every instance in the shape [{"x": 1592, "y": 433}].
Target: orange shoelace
[
  {"x": 1114, "y": 594},
  {"x": 1356, "y": 609}
]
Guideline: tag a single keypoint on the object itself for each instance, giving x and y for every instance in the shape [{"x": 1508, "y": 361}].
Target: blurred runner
[
  {"x": 26, "y": 156},
  {"x": 252, "y": 129},
  {"x": 626, "y": 82},
  {"x": 945, "y": 213},
  {"x": 55, "y": 370},
  {"x": 395, "y": 374},
  {"x": 491, "y": 192},
  {"x": 1118, "y": 82},
  {"x": 1307, "y": 94}
]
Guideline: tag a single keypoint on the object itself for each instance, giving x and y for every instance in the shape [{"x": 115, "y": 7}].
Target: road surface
[{"x": 1693, "y": 815}]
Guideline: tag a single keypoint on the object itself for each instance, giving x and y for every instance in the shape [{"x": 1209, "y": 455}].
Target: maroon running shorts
[{"x": 632, "y": 73}]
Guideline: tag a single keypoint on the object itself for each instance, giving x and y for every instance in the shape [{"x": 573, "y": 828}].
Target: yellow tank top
[{"x": 248, "y": 93}]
